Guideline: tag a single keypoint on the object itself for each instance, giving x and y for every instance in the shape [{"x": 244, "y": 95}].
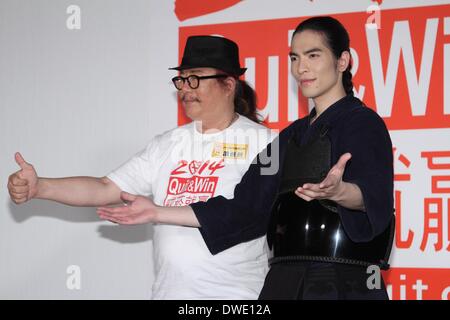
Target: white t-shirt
[{"x": 183, "y": 166}]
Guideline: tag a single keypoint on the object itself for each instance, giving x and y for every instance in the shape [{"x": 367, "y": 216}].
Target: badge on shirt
[{"x": 230, "y": 150}]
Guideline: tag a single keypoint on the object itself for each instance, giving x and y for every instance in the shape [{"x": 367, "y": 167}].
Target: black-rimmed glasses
[{"x": 193, "y": 80}]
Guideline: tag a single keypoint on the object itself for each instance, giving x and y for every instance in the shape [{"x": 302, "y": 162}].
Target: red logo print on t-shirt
[{"x": 192, "y": 181}]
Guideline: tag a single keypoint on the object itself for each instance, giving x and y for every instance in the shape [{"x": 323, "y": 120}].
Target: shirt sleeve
[
  {"x": 228, "y": 222},
  {"x": 136, "y": 175},
  {"x": 366, "y": 137}
]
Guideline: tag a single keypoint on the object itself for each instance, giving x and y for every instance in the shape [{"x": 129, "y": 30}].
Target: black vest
[{"x": 313, "y": 231}]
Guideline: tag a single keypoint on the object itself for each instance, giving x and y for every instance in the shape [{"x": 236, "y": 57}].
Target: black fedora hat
[{"x": 211, "y": 52}]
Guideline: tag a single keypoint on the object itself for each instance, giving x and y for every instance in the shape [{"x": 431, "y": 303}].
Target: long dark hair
[
  {"x": 336, "y": 38},
  {"x": 245, "y": 100}
]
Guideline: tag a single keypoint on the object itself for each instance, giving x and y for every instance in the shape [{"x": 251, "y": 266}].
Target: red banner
[
  {"x": 401, "y": 64},
  {"x": 418, "y": 283}
]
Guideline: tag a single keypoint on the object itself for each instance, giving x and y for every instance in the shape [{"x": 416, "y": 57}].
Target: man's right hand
[{"x": 23, "y": 184}]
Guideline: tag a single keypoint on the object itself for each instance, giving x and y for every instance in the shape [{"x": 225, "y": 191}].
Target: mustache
[{"x": 188, "y": 98}]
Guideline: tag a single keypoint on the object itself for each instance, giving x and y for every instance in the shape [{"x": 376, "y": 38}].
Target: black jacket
[{"x": 354, "y": 128}]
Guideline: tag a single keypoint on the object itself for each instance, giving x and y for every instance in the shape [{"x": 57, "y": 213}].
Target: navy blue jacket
[{"x": 354, "y": 128}]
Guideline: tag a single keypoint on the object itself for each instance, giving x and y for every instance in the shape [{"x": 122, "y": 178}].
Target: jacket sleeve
[
  {"x": 228, "y": 222},
  {"x": 366, "y": 137}
]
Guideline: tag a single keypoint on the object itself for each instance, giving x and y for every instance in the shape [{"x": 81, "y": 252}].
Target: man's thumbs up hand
[{"x": 22, "y": 185}]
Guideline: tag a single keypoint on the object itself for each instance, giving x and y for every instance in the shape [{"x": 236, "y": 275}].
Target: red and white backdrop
[{"x": 401, "y": 70}]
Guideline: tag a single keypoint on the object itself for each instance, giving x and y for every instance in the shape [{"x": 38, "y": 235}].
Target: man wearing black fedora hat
[
  {"x": 194, "y": 162},
  {"x": 212, "y": 57}
]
